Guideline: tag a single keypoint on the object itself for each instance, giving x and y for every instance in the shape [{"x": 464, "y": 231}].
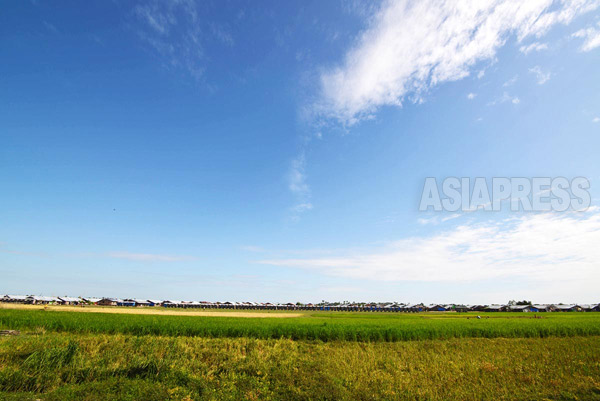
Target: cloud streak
[
  {"x": 172, "y": 30},
  {"x": 177, "y": 32},
  {"x": 299, "y": 187},
  {"x": 540, "y": 247},
  {"x": 541, "y": 76},
  {"x": 410, "y": 47},
  {"x": 535, "y": 46},
  {"x": 149, "y": 257}
]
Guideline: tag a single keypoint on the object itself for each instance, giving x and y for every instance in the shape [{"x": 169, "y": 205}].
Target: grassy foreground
[
  {"x": 316, "y": 326},
  {"x": 59, "y": 366},
  {"x": 65, "y": 355}
]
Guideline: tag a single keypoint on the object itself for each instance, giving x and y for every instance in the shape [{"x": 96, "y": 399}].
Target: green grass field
[
  {"x": 314, "y": 326},
  {"x": 320, "y": 356}
]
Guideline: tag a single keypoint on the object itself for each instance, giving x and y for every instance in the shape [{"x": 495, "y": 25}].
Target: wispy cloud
[
  {"x": 471, "y": 96},
  {"x": 298, "y": 186},
  {"x": 541, "y": 76},
  {"x": 591, "y": 38},
  {"x": 171, "y": 29},
  {"x": 511, "y": 81},
  {"x": 50, "y": 27},
  {"x": 596, "y": 120},
  {"x": 149, "y": 257},
  {"x": 535, "y": 247},
  {"x": 177, "y": 32},
  {"x": 222, "y": 34},
  {"x": 297, "y": 177},
  {"x": 506, "y": 97},
  {"x": 535, "y": 46},
  {"x": 409, "y": 47},
  {"x": 252, "y": 248}
]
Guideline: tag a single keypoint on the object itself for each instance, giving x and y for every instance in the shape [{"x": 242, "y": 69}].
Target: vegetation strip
[
  {"x": 67, "y": 366},
  {"x": 315, "y": 326}
]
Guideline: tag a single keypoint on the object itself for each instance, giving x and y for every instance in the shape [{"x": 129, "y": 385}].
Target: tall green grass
[
  {"x": 318, "y": 326},
  {"x": 70, "y": 366}
]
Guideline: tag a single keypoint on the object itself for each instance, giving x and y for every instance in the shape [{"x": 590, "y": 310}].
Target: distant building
[
  {"x": 495, "y": 308},
  {"x": 41, "y": 300},
  {"x": 154, "y": 302},
  {"x": 108, "y": 302},
  {"x": 543, "y": 308},
  {"x": 69, "y": 301},
  {"x": 521, "y": 308},
  {"x": 92, "y": 301},
  {"x": 17, "y": 299},
  {"x": 567, "y": 308},
  {"x": 141, "y": 302}
]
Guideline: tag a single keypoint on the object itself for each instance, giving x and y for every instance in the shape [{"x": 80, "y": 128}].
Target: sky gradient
[{"x": 229, "y": 151}]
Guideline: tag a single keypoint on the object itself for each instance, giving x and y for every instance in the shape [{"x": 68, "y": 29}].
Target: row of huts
[{"x": 325, "y": 306}]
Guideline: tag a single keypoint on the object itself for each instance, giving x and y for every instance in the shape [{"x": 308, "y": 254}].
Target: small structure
[
  {"x": 495, "y": 308},
  {"x": 461, "y": 308},
  {"x": 141, "y": 302},
  {"x": 171, "y": 304},
  {"x": 521, "y": 308},
  {"x": 69, "y": 301},
  {"x": 108, "y": 302},
  {"x": 16, "y": 299},
  {"x": 567, "y": 308},
  {"x": 41, "y": 300},
  {"x": 91, "y": 301},
  {"x": 125, "y": 302},
  {"x": 543, "y": 308}
]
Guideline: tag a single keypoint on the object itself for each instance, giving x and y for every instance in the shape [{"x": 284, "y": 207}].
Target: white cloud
[
  {"x": 541, "y": 76},
  {"x": 539, "y": 247},
  {"x": 430, "y": 220},
  {"x": 148, "y": 257},
  {"x": 535, "y": 46},
  {"x": 591, "y": 36},
  {"x": 437, "y": 219},
  {"x": 411, "y": 46},
  {"x": 471, "y": 96},
  {"x": 596, "y": 120},
  {"x": 451, "y": 217},
  {"x": 505, "y": 98}
]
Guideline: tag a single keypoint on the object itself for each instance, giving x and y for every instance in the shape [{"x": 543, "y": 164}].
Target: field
[
  {"x": 324, "y": 326},
  {"x": 150, "y": 311},
  {"x": 97, "y": 356}
]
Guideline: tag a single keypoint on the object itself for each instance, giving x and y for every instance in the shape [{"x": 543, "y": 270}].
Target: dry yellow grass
[{"x": 150, "y": 311}]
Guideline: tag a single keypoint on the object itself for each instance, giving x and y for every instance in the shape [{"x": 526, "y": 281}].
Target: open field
[
  {"x": 148, "y": 311},
  {"x": 312, "y": 326},
  {"x": 67, "y": 366},
  {"x": 66, "y": 355}
]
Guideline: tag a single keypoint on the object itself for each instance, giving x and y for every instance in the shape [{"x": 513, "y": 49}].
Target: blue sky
[{"x": 277, "y": 152}]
